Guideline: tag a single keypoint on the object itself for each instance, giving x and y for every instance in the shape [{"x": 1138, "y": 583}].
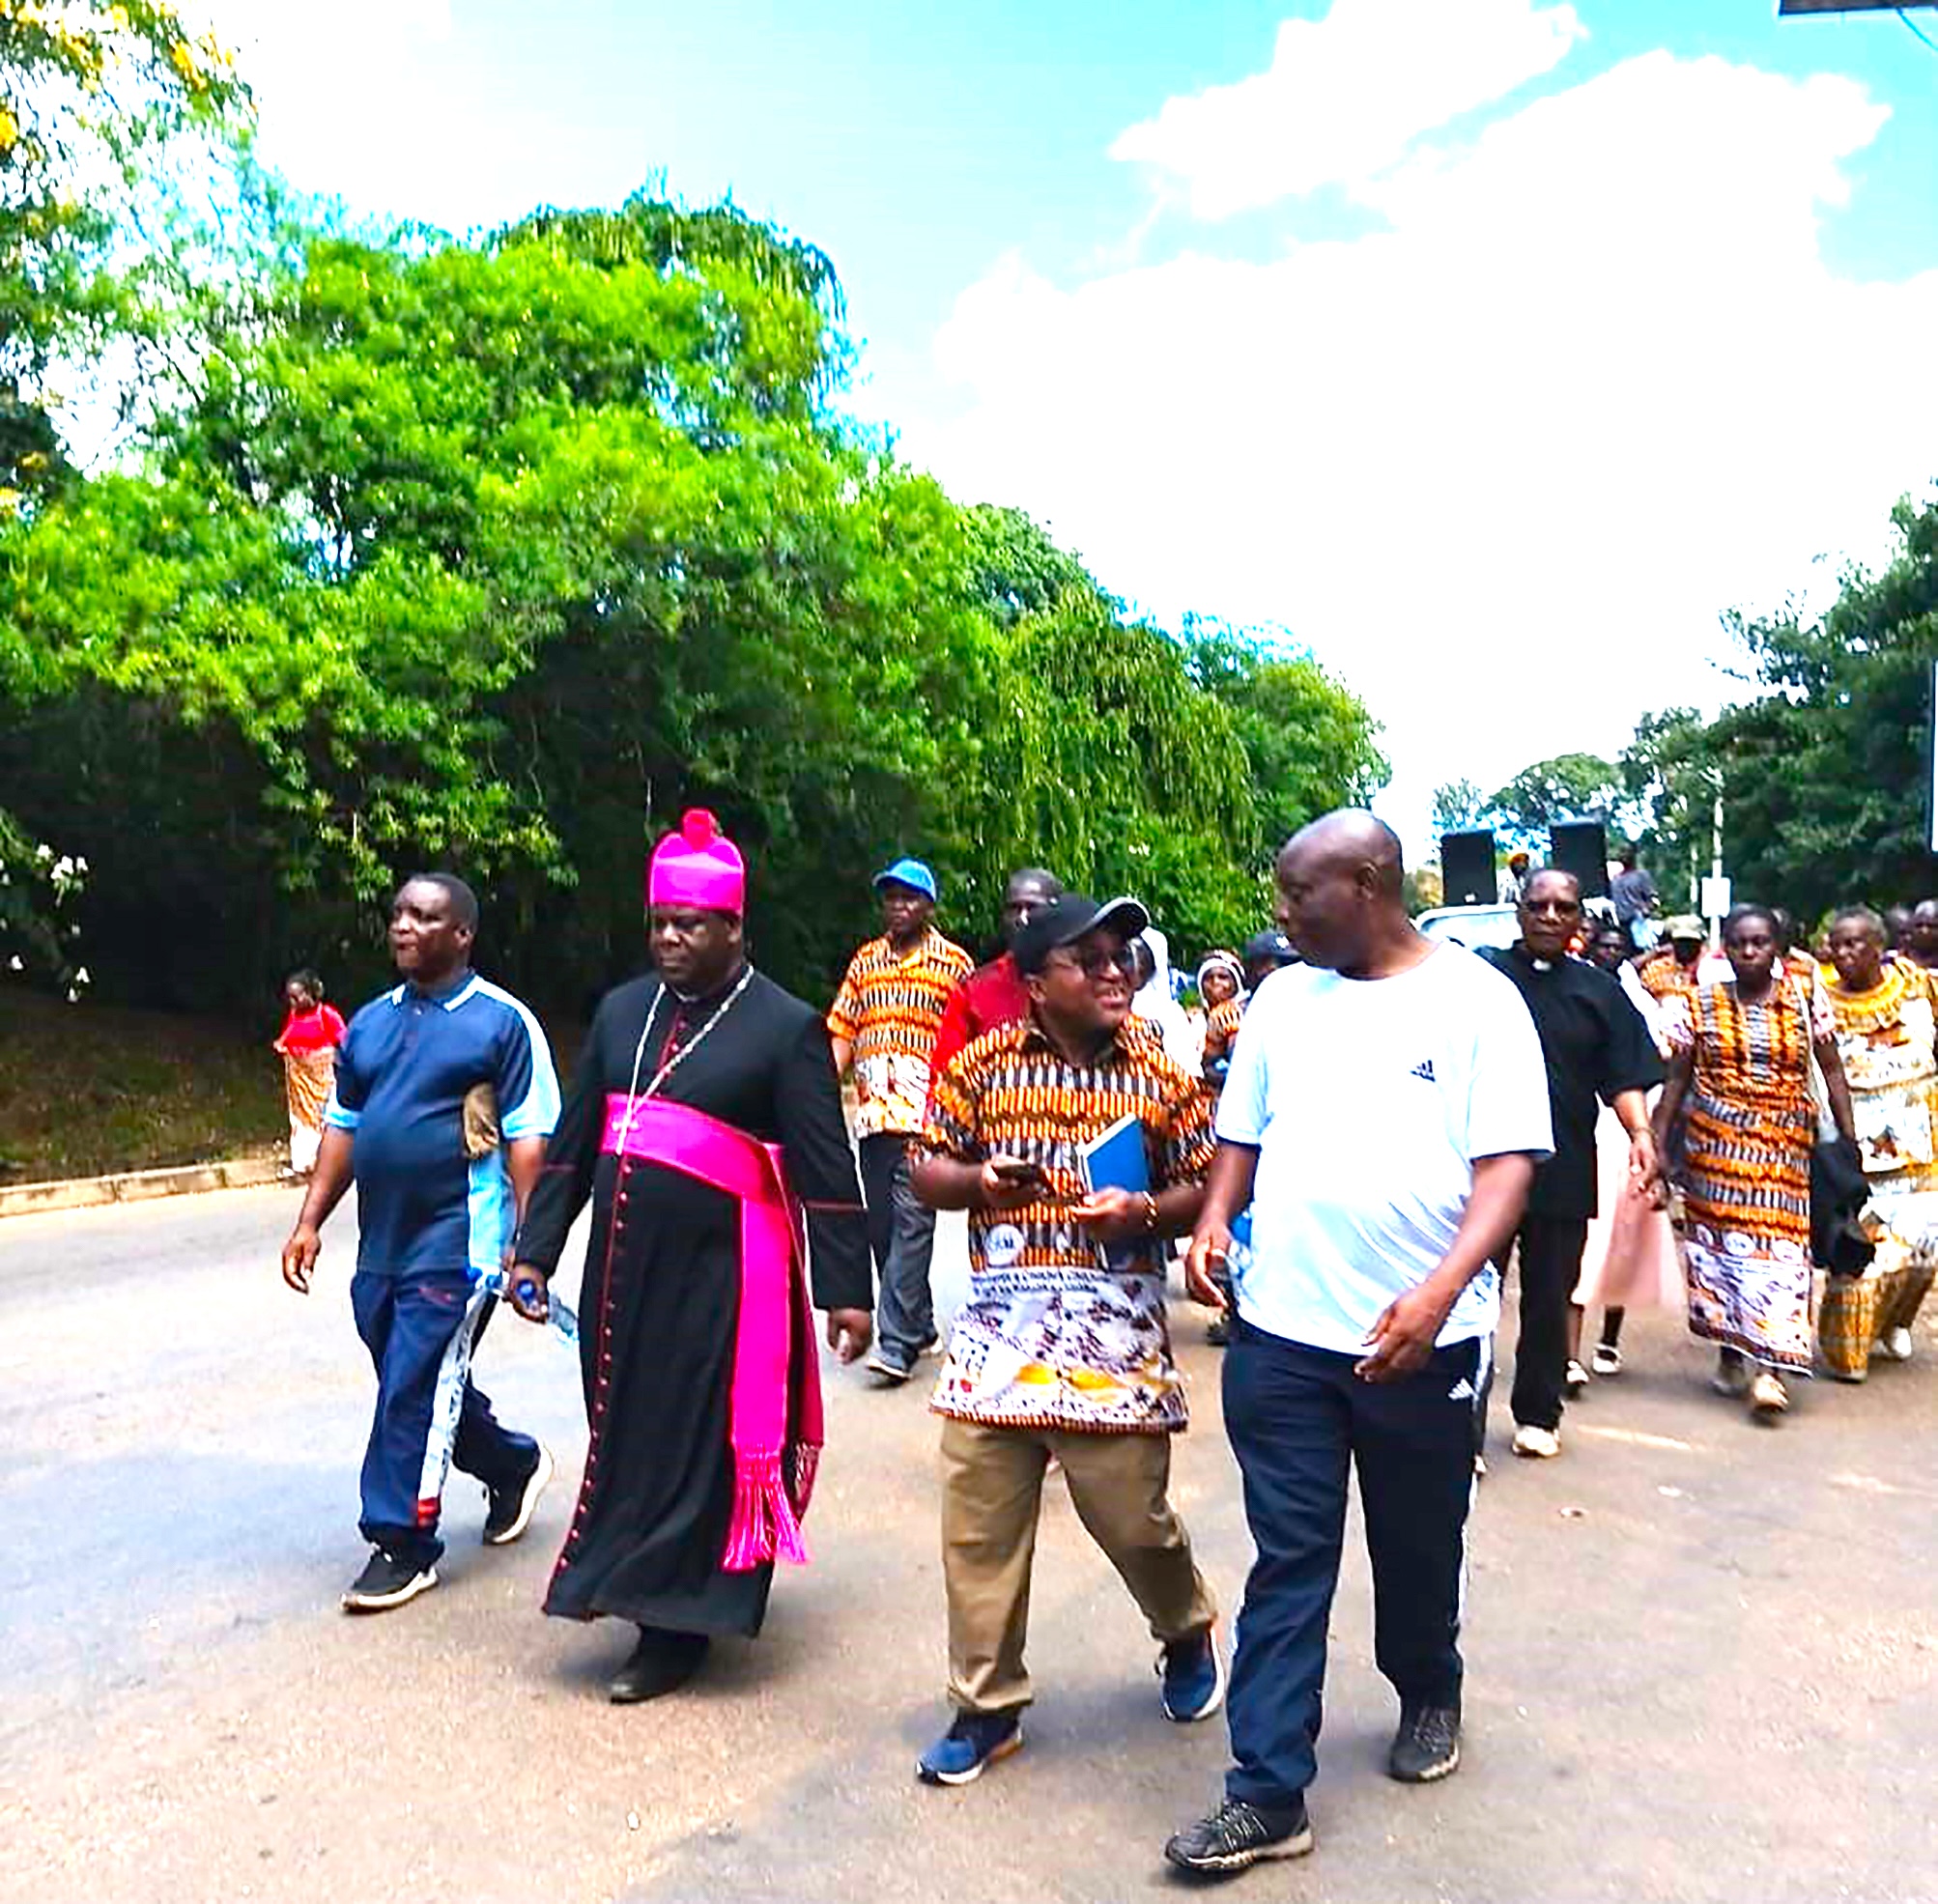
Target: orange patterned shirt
[
  {"x": 1221, "y": 1029},
  {"x": 1052, "y": 1336},
  {"x": 890, "y": 1008}
]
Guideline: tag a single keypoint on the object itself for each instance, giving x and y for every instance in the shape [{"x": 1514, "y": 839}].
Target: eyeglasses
[{"x": 1099, "y": 961}]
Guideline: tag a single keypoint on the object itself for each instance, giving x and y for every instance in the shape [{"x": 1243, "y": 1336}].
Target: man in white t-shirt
[{"x": 1384, "y": 1112}]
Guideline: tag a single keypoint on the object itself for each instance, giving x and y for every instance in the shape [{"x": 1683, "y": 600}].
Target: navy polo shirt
[{"x": 403, "y": 1071}]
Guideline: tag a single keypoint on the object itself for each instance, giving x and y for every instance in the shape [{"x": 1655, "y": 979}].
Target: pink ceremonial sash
[{"x": 774, "y": 1356}]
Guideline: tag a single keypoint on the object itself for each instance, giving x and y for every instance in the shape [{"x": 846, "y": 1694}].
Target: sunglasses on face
[{"x": 1099, "y": 961}]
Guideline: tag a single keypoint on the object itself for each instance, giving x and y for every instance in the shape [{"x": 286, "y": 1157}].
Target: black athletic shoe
[
  {"x": 1238, "y": 1835},
  {"x": 508, "y": 1510},
  {"x": 387, "y": 1581},
  {"x": 662, "y": 1663},
  {"x": 1427, "y": 1744}
]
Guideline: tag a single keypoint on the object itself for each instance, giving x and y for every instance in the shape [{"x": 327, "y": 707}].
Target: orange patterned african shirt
[
  {"x": 1052, "y": 1336},
  {"x": 890, "y": 1007},
  {"x": 1221, "y": 1029}
]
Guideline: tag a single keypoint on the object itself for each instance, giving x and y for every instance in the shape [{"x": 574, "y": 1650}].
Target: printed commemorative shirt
[
  {"x": 1051, "y": 1336},
  {"x": 890, "y": 1008}
]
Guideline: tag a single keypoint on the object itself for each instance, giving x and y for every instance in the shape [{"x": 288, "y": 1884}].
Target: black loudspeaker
[
  {"x": 1467, "y": 868},
  {"x": 1581, "y": 847}
]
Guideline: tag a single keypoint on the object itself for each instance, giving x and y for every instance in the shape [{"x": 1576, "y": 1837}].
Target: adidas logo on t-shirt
[{"x": 1423, "y": 1069}]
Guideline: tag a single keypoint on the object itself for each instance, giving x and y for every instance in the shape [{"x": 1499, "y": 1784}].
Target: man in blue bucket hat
[{"x": 883, "y": 1023}]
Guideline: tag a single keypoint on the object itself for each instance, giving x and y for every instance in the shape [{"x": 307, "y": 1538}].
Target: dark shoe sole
[
  {"x": 528, "y": 1502},
  {"x": 1432, "y": 1775},
  {"x": 1297, "y": 1845},
  {"x": 887, "y": 1375},
  {"x": 1009, "y": 1748},
  {"x": 381, "y": 1603}
]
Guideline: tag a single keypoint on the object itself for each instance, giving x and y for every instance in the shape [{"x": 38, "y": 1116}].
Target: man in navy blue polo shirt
[{"x": 444, "y": 1096}]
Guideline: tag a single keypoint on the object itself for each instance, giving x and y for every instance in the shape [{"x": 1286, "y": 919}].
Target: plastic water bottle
[{"x": 559, "y": 1319}]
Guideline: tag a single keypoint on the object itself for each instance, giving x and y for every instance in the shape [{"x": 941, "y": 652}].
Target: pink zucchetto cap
[{"x": 698, "y": 865}]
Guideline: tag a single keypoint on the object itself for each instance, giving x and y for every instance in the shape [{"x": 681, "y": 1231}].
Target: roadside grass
[{"x": 86, "y": 1089}]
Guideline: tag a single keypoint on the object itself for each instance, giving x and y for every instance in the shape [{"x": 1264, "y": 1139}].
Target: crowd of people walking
[{"x": 1356, "y": 1137}]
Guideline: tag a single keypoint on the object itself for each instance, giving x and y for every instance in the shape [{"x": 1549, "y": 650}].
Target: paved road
[{"x": 1703, "y": 1655}]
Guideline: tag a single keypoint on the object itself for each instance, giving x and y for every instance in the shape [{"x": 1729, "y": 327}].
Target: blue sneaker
[
  {"x": 1193, "y": 1673},
  {"x": 975, "y": 1740}
]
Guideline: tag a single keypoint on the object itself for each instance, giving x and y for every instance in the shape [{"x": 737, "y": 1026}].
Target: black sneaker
[
  {"x": 387, "y": 1581},
  {"x": 1427, "y": 1744},
  {"x": 1238, "y": 1835},
  {"x": 508, "y": 1509}
]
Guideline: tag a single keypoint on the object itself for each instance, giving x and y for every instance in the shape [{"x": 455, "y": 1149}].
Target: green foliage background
[{"x": 498, "y": 553}]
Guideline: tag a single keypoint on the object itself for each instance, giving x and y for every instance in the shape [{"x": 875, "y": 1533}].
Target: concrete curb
[{"x": 138, "y": 1186}]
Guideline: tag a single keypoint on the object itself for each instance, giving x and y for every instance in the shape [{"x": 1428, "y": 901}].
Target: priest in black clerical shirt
[{"x": 1598, "y": 1052}]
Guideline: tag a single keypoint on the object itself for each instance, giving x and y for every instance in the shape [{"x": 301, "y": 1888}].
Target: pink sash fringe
[{"x": 774, "y": 1357}]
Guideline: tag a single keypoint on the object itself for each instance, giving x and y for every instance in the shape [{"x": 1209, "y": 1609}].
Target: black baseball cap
[
  {"x": 1067, "y": 920},
  {"x": 1270, "y": 945}
]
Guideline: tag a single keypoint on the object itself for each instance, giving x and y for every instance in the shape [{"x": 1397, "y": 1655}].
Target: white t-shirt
[{"x": 1368, "y": 1100}]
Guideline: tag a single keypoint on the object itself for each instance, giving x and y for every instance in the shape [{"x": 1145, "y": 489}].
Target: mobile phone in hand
[{"x": 1019, "y": 1171}]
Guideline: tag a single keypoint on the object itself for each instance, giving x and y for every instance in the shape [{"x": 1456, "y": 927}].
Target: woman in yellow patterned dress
[
  {"x": 1886, "y": 1035},
  {"x": 1740, "y": 1072}
]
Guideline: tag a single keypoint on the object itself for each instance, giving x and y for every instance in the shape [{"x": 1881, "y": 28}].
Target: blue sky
[{"x": 1489, "y": 346}]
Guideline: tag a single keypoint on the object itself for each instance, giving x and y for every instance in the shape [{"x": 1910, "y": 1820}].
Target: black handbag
[{"x": 1839, "y": 1191}]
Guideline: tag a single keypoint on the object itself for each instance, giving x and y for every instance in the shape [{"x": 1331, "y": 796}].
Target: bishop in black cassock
[{"x": 660, "y": 1304}]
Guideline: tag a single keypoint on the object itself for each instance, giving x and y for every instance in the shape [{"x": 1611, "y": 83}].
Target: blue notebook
[{"x": 1116, "y": 1159}]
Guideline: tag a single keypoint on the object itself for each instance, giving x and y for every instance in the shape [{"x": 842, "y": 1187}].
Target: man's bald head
[
  {"x": 1340, "y": 888},
  {"x": 1351, "y": 837}
]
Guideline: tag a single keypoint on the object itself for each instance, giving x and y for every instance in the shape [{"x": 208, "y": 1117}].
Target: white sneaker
[
  {"x": 1574, "y": 1377},
  {"x": 1537, "y": 1444},
  {"x": 1607, "y": 1360},
  {"x": 1895, "y": 1346}
]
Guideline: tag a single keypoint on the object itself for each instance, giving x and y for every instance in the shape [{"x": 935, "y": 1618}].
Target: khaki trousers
[{"x": 992, "y": 1484}]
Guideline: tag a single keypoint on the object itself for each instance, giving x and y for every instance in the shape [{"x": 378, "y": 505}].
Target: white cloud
[
  {"x": 1503, "y": 464},
  {"x": 1345, "y": 96},
  {"x": 388, "y": 99}
]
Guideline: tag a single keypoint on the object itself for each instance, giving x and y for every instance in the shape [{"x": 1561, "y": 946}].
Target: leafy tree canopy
[
  {"x": 93, "y": 101},
  {"x": 500, "y": 554},
  {"x": 1568, "y": 787}
]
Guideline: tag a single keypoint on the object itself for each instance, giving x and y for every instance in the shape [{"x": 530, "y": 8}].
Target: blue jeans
[
  {"x": 1299, "y": 1418},
  {"x": 406, "y": 1323},
  {"x": 901, "y": 1233}
]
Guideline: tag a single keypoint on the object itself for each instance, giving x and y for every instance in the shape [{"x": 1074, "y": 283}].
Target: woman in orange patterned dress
[
  {"x": 1888, "y": 1036},
  {"x": 1740, "y": 1072}
]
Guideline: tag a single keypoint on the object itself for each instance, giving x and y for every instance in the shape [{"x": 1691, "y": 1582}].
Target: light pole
[{"x": 1716, "y": 888}]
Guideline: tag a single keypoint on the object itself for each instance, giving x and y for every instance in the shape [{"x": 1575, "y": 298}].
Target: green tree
[
  {"x": 499, "y": 553},
  {"x": 1568, "y": 787},
  {"x": 1309, "y": 743},
  {"x": 1458, "y": 807},
  {"x": 93, "y": 102},
  {"x": 1668, "y": 788},
  {"x": 1824, "y": 775}
]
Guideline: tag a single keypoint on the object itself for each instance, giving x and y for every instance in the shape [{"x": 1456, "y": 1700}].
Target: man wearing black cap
[
  {"x": 1062, "y": 1350},
  {"x": 1264, "y": 954}
]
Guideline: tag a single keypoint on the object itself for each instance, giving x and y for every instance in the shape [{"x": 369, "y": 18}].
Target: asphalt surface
[{"x": 1701, "y": 1654}]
